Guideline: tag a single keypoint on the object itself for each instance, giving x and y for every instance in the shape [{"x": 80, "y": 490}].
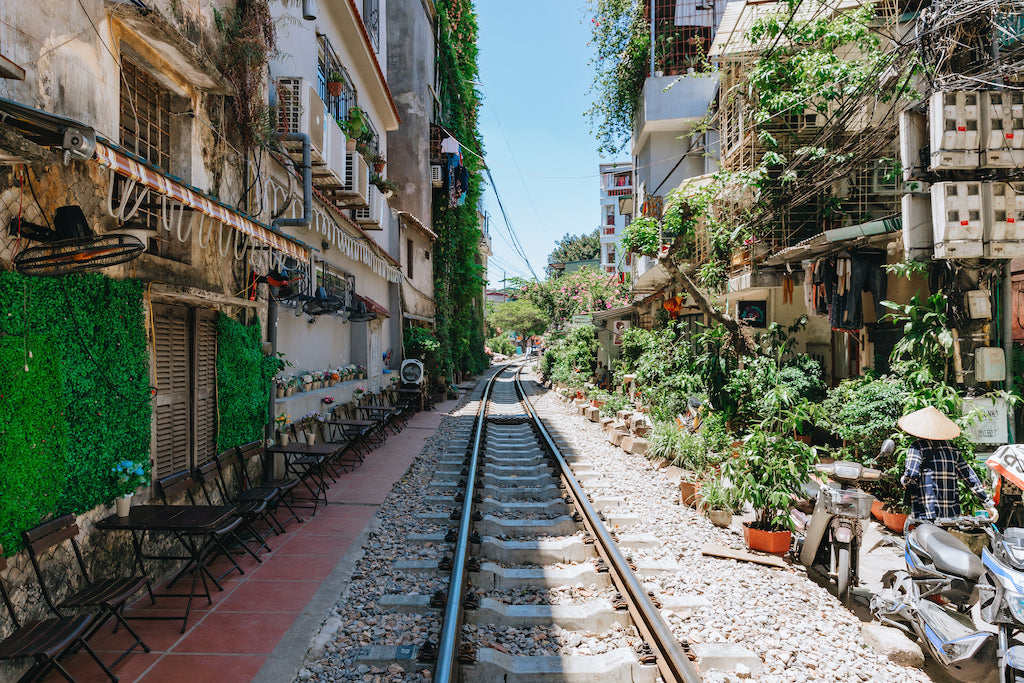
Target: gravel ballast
[{"x": 799, "y": 630}]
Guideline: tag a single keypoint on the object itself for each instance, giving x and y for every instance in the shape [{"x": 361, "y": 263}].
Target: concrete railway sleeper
[{"x": 522, "y": 529}]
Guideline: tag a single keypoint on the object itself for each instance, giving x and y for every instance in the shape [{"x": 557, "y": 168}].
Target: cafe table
[
  {"x": 308, "y": 462},
  {"x": 188, "y": 524}
]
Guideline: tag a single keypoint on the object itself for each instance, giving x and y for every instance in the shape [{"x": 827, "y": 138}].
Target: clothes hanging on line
[{"x": 838, "y": 282}]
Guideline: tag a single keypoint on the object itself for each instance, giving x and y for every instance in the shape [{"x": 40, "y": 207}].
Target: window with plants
[{"x": 74, "y": 394}]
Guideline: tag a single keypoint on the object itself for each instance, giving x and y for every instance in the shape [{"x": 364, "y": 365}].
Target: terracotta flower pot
[
  {"x": 689, "y": 492},
  {"x": 877, "y": 512},
  {"x": 894, "y": 521},
  {"x": 773, "y": 542},
  {"x": 334, "y": 88}
]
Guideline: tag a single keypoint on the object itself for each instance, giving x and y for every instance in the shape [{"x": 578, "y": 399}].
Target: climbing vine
[
  {"x": 249, "y": 38},
  {"x": 458, "y": 275}
]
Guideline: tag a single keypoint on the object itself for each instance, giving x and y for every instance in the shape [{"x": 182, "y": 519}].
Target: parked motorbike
[
  {"x": 933, "y": 598},
  {"x": 832, "y": 537}
]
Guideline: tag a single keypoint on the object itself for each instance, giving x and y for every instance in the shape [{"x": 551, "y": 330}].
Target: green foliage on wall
[
  {"x": 33, "y": 435},
  {"x": 458, "y": 275},
  {"x": 243, "y": 382},
  {"x": 94, "y": 328}
]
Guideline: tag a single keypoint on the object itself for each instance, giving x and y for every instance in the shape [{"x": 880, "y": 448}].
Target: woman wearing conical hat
[{"x": 934, "y": 466}]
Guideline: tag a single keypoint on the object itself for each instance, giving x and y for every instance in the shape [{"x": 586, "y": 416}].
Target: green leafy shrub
[
  {"x": 502, "y": 344},
  {"x": 243, "y": 382}
]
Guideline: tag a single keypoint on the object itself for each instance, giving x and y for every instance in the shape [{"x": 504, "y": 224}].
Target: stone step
[
  {"x": 617, "y": 666},
  {"x": 495, "y": 577},
  {"x": 537, "y": 551}
]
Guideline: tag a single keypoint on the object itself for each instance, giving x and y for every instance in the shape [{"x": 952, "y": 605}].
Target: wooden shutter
[
  {"x": 171, "y": 452},
  {"x": 205, "y": 387}
]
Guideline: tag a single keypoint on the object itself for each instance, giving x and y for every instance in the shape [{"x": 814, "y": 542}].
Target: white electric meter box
[
  {"x": 1004, "y": 220},
  {"x": 954, "y": 129},
  {"x": 957, "y": 227},
  {"x": 1002, "y": 140},
  {"x": 917, "y": 227},
  {"x": 989, "y": 364},
  {"x": 979, "y": 304},
  {"x": 913, "y": 138}
]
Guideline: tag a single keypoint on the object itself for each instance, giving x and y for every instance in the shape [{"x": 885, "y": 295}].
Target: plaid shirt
[{"x": 931, "y": 474}]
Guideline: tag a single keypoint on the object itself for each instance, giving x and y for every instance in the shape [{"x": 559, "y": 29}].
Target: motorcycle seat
[{"x": 947, "y": 552}]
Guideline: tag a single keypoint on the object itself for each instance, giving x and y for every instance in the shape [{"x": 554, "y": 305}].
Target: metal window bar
[
  {"x": 328, "y": 63},
  {"x": 682, "y": 33},
  {"x": 371, "y": 20}
]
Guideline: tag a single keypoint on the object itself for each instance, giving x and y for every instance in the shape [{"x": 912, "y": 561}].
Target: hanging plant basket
[{"x": 334, "y": 88}]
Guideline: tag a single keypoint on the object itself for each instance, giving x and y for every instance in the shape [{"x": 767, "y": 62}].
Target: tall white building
[{"x": 616, "y": 213}]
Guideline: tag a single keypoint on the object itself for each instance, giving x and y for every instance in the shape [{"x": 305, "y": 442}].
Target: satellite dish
[{"x": 412, "y": 371}]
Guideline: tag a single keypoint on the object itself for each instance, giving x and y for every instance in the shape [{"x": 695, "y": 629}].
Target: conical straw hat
[{"x": 929, "y": 423}]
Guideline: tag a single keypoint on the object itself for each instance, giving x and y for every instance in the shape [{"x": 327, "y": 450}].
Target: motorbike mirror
[{"x": 888, "y": 447}]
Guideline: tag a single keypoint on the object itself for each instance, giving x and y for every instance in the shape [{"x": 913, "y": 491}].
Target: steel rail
[
  {"x": 672, "y": 661},
  {"x": 446, "y": 666}
]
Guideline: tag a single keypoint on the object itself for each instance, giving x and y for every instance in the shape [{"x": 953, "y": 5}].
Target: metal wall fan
[
  {"x": 360, "y": 314},
  {"x": 322, "y": 304},
  {"x": 72, "y": 247}
]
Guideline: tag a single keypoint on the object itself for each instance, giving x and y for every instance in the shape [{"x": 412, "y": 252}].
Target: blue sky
[{"x": 534, "y": 69}]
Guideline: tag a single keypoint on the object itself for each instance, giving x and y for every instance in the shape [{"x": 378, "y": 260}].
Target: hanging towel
[{"x": 450, "y": 146}]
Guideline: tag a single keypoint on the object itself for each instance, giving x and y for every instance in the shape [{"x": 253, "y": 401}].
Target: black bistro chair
[
  {"x": 109, "y": 595},
  {"x": 45, "y": 641}
]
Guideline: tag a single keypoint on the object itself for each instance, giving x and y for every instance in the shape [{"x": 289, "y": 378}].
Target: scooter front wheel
[{"x": 844, "y": 575}]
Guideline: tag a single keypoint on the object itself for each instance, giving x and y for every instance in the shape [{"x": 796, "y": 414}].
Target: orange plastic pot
[
  {"x": 894, "y": 521},
  {"x": 772, "y": 542},
  {"x": 877, "y": 512}
]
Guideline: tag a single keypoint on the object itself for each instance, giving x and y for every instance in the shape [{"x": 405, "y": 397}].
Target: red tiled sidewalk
[{"x": 259, "y": 627}]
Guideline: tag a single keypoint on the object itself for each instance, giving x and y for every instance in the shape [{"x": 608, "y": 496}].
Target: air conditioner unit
[
  {"x": 913, "y": 137},
  {"x": 886, "y": 180},
  {"x": 332, "y": 175},
  {"x": 957, "y": 224},
  {"x": 355, "y": 191},
  {"x": 370, "y": 217},
  {"x": 954, "y": 129},
  {"x": 436, "y": 175},
  {"x": 1002, "y": 140},
  {"x": 1004, "y": 220},
  {"x": 917, "y": 227},
  {"x": 300, "y": 110}
]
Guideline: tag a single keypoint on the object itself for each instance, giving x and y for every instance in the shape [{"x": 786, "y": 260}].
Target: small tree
[{"x": 521, "y": 316}]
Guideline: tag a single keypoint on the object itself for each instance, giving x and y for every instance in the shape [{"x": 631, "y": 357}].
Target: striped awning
[{"x": 160, "y": 182}]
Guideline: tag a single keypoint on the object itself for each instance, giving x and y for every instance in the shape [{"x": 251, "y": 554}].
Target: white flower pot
[
  {"x": 311, "y": 438},
  {"x": 123, "y": 504}
]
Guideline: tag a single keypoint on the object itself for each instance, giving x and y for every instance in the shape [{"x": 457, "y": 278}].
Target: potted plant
[
  {"x": 334, "y": 377},
  {"x": 327, "y": 400},
  {"x": 357, "y": 394},
  {"x": 718, "y": 499},
  {"x": 334, "y": 83},
  {"x": 307, "y": 381},
  {"x": 308, "y": 425},
  {"x": 770, "y": 473},
  {"x": 129, "y": 475},
  {"x": 281, "y": 385},
  {"x": 360, "y": 372},
  {"x": 280, "y": 422},
  {"x": 355, "y": 127}
]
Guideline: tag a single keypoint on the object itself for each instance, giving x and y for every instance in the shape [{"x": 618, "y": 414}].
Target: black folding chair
[
  {"x": 215, "y": 542},
  {"x": 284, "y": 487},
  {"x": 46, "y": 641},
  {"x": 215, "y": 492},
  {"x": 264, "y": 499},
  {"x": 109, "y": 595}
]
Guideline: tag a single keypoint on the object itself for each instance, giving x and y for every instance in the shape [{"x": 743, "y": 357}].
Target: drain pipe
[
  {"x": 302, "y": 222},
  {"x": 1006, "y": 315}
]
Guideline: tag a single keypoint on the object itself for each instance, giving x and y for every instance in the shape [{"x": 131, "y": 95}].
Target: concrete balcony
[{"x": 675, "y": 109}]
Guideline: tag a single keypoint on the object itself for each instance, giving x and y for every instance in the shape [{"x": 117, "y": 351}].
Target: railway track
[{"x": 521, "y": 529}]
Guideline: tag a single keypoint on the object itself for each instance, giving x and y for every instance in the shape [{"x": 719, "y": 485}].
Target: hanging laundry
[
  {"x": 809, "y": 289},
  {"x": 451, "y": 146}
]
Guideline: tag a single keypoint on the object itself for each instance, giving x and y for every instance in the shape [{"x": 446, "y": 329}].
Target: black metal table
[
  {"x": 307, "y": 462},
  {"x": 187, "y": 523}
]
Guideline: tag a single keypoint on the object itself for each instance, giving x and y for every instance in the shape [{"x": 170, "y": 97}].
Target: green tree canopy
[
  {"x": 522, "y": 316},
  {"x": 576, "y": 248}
]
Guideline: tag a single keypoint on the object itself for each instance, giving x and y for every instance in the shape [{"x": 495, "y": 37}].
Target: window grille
[
  {"x": 371, "y": 20},
  {"x": 328, "y": 63},
  {"x": 683, "y": 30}
]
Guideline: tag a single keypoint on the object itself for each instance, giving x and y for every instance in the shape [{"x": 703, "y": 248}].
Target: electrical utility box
[
  {"x": 1002, "y": 140},
  {"x": 913, "y": 144},
  {"x": 979, "y": 304},
  {"x": 957, "y": 227},
  {"x": 1004, "y": 220},
  {"x": 989, "y": 364},
  {"x": 954, "y": 129},
  {"x": 918, "y": 243}
]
